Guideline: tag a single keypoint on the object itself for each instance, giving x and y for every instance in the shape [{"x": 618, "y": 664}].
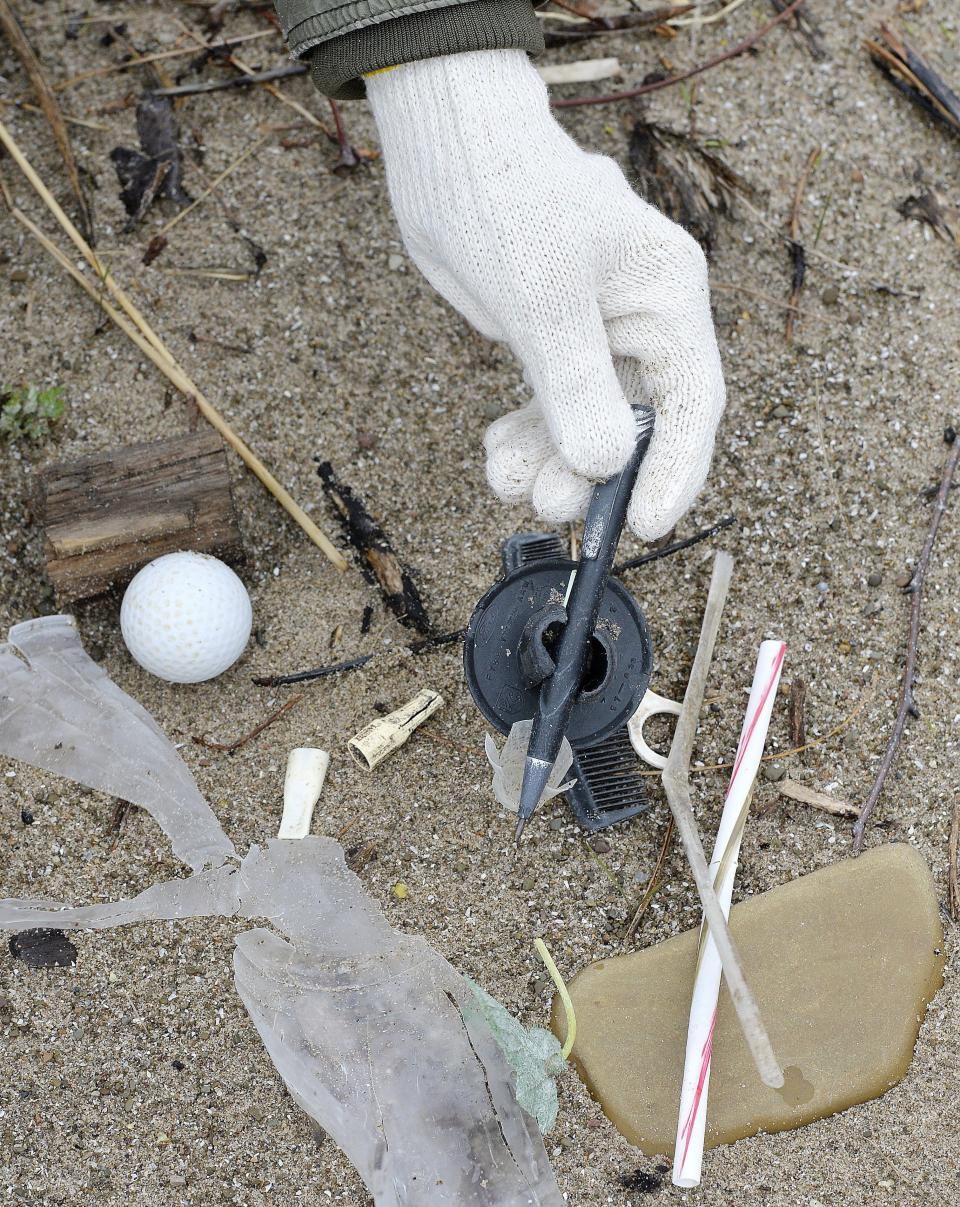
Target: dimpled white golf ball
[{"x": 186, "y": 617}]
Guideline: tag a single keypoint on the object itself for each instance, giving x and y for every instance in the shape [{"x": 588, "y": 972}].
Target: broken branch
[
  {"x": 908, "y": 706},
  {"x": 655, "y": 85}
]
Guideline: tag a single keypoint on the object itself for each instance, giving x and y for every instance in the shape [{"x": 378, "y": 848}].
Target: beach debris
[
  {"x": 690, "y": 183},
  {"x": 804, "y": 795},
  {"x": 106, "y": 515},
  {"x": 914, "y": 76},
  {"x": 581, "y": 71},
  {"x": 156, "y": 169},
  {"x": 375, "y": 1035},
  {"x": 534, "y": 1054},
  {"x": 575, "y": 25},
  {"x": 562, "y": 642},
  {"x": 676, "y": 785},
  {"x": 934, "y": 208},
  {"x": 46, "y": 98},
  {"x": 43, "y": 947},
  {"x": 695, "y": 1086},
  {"x": 374, "y": 553},
  {"x": 28, "y": 413},
  {"x": 798, "y": 253},
  {"x": 908, "y": 705},
  {"x": 306, "y": 770},
  {"x": 609, "y": 787},
  {"x": 668, "y": 81},
  {"x": 186, "y": 617},
  {"x": 245, "y": 738},
  {"x": 133, "y": 324},
  {"x": 651, "y": 705},
  {"x": 508, "y": 762},
  {"x": 845, "y": 961},
  {"x": 385, "y": 735}
]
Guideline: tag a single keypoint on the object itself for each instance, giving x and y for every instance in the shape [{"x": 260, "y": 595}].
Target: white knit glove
[{"x": 540, "y": 245}]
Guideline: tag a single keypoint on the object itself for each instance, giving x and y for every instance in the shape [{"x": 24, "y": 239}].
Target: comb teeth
[
  {"x": 609, "y": 788},
  {"x": 526, "y": 547}
]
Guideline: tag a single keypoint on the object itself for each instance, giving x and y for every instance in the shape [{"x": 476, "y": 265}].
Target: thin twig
[
  {"x": 235, "y": 81},
  {"x": 142, "y": 334},
  {"x": 703, "y": 535},
  {"x": 908, "y": 706},
  {"x": 797, "y": 251},
  {"x": 26, "y": 107},
  {"x": 653, "y": 884},
  {"x": 10, "y": 24},
  {"x": 230, "y": 747},
  {"x": 213, "y": 185},
  {"x": 159, "y": 56},
  {"x": 655, "y": 85},
  {"x": 350, "y": 664},
  {"x": 267, "y": 87}
]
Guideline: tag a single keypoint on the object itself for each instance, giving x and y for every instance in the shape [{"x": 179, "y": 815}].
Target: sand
[{"x": 136, "y": 1077}]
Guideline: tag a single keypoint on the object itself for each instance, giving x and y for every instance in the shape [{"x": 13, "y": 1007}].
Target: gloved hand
[{"x": 545, "y": 247}]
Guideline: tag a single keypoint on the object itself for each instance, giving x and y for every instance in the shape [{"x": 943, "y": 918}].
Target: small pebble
[
  {"x": 781, "y": 412},
  {"x": 873, "y": 609},
  {"x": 26, "y": 817},
  {"x": 949, "y": 434},
  {"x": 529, "y": 884},
  {"x": 600, "y": 844},
  {"x": 774, "y": 772},
  {"x": 556, "y": 823},
  {"x": 18, "y": 274},
  {"x": 905, "y": 579},
  {"x": 400, "y": 891},
  {"x": 396, "y": 262},
  {"x": 874, "y": 579},
  {"x": 830, "y": 296},
  {"x": 366, "y": 441}
]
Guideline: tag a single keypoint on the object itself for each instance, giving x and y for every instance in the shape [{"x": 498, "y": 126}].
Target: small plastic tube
[
  {"x": 302, "y": 785},
  {"x": 691, "y": 1125},
  {"x": 382, "y": 737}
]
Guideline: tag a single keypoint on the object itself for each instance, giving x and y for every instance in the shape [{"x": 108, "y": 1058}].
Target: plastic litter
[{"x": 376, "y": 1036}]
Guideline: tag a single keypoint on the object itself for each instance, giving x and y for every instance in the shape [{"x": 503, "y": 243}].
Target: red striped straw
[{"x": 691, "y": 1125}]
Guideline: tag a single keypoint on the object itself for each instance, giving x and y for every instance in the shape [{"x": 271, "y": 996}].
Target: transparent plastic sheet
[
  {"x": 376, "y": 1036},
  {"x": 59, "y": 711}
]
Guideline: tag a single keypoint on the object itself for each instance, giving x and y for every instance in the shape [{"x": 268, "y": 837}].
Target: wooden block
[{"x": 106, "y": 515}]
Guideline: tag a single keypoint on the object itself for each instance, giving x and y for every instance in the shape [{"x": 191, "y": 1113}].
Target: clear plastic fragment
[
  {"x": 376, "y": 1036},
  {"x": 508, "y": 764}
]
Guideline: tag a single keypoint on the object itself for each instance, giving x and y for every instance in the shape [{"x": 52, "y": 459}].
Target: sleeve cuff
[{"x": 338, "y": 64}]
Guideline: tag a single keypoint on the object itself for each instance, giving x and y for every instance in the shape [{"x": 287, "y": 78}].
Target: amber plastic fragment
[{"x": 843, "y": 962}]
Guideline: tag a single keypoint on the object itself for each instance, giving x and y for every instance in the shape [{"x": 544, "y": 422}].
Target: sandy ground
[{"x": 136, "y": 1076}]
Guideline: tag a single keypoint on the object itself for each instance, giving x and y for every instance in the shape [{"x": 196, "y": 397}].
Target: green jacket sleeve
[{"x": 346, "y": 39}]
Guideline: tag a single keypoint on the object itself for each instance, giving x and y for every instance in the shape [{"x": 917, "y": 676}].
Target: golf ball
[{"x": 186, "y": 617}]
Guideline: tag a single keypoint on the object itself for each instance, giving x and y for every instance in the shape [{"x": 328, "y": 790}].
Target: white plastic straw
[{"x": 688, "y": 1154}]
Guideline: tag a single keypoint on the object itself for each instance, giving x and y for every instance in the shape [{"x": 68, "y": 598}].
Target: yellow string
[
  {"x": 379, "y": 71},
  {"x": 564, "y": 997}
]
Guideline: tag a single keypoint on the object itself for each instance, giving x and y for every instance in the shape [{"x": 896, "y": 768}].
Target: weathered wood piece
[{"x": 106, "y": 515}]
